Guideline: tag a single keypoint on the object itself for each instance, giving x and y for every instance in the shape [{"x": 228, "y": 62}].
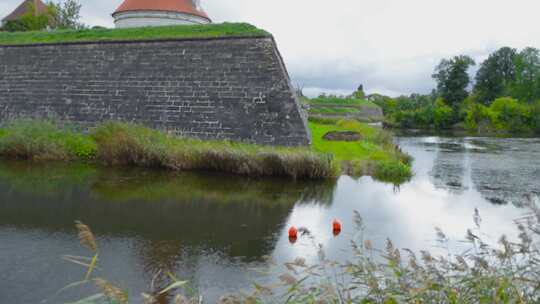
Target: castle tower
[{"x": 138, "y": 13}]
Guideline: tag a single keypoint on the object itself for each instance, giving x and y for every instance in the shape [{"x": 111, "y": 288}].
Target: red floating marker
[
  {"x": 293, "y": 233},
  {"x": 336, "y": 227}
]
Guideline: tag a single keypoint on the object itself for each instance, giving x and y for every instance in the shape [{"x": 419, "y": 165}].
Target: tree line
[{"x": 503, "y": 95}]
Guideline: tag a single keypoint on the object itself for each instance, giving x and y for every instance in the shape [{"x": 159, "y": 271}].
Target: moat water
[{"x": 219, "y": 231}]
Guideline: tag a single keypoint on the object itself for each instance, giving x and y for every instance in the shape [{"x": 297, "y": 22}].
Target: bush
[
  {"x": 443, "y": 115},
  {"x": 393, "y": 171},
  {"x": 504, "y": 114},
  {"x": 535, "y": 117},
  {"x": 387, "y": 104},
  {"x": 423, "y": 117},
  {"x": 508, "y": 114},
  {"x": 473, "y": 115},
  {"x": 426, "y": 115},
  {"x": 404, "y": 119}
]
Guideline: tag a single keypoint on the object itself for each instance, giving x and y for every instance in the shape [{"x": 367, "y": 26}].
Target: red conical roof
[{"x": 179, "y": 6}]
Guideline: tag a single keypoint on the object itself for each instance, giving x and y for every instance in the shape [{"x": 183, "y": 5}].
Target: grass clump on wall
[
  {"x": 43, "y": 140},
  {"x": 142, "y": 33}
]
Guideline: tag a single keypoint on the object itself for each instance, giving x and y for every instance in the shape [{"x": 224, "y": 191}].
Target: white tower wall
[{"x": 155, "y": 18}]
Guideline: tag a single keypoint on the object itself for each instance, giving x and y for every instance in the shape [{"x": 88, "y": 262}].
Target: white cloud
[{"x": 390, "y": 46}]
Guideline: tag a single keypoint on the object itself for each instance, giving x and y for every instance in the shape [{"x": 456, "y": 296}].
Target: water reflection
[
  {"x": 214, "y": 230},
  {"x": 204, "y": 227}
]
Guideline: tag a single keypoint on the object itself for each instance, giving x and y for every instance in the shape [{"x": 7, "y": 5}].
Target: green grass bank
[
  {"x": 133, "y": 34},
  {"x": 375, "y": 155},
  {"x": 116, "y": 143}
]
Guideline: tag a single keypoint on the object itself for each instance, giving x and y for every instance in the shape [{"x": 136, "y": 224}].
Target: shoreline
[
  {"x": 123, "y": 144},
  {"x": 457, "y": 133}
]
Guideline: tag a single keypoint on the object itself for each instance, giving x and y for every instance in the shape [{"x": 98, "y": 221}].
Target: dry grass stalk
[
  {"x": 86, "y": 237},
  {"x": 148, "y": 299},
  {"x": 111, "y": 292},
  {"x": 288, "y": 279}
]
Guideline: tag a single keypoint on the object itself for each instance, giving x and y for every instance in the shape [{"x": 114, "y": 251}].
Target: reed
[
  {"x": 505, "y": 272},
  {"x": 120, "y": 143}
]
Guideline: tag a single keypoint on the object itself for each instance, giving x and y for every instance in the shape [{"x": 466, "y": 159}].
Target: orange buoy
[
  {"x": 293, "y": 233},
  {"x": 336, "y": 227}
]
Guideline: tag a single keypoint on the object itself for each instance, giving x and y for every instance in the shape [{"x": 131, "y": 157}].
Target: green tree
[
  {"x": 535, "y": 117},
  {"x": 66, "y": 14},
  {"x": 495, "y": 75},
  {"x": 443, "y": 115},
  {"x": 526, "y": 86},
  {"x": 359, "y": 93},
  {"x": 388, "y": 105},
  {"x": 509, "y": 115},
  {"x": 453, "y": 79}
]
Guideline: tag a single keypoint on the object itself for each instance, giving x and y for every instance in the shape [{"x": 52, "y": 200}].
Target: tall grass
[
  {"x": 43, "y": 140},
  {"x": 120, "y": 143}
]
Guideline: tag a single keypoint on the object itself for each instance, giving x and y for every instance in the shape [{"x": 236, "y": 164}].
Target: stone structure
[
  {"x": 137, "y": 13},
  {"x": 218, "y": 88}
]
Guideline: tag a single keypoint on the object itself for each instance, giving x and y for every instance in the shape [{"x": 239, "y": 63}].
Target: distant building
[
  {"x": 137, "y": 13},
  {"x": 38, "y": 7}
]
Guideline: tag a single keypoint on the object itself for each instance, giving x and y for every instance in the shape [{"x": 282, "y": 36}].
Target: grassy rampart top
[
  {"x": 221, "y": 30},
  {"x": 341, "y": 101}
]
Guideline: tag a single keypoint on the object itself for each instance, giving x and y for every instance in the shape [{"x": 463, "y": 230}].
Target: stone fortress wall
[{"x": 214, "y": 88}]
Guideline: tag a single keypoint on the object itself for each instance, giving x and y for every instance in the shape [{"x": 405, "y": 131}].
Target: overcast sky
[{"x": 391, "y": 46}]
